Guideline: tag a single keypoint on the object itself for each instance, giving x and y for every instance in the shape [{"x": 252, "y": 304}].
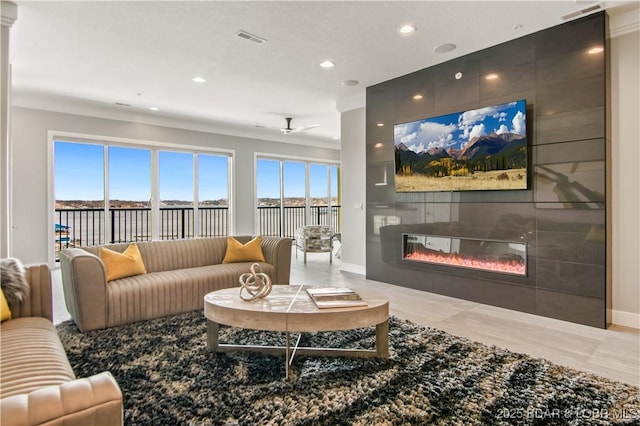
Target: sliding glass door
[
  {"x": 319, "y": 192},
  {"x": 294, "y": 193},
  {"x": 295, "y": 200},
  {"x": 109, "y": 193}
]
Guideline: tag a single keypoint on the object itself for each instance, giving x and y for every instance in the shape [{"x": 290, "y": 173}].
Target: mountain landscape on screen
[{"x": 482, "y": 149}]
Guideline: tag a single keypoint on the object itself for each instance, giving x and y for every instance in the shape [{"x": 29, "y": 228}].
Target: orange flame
[{"x": 510, "y": 266}]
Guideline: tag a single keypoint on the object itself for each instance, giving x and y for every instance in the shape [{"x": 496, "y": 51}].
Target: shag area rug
[{"x": 167, "y": 377}]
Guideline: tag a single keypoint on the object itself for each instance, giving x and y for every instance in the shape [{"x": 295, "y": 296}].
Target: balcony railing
[
  {"x": 85, "y": 227},
  {"x": 293, "y": 218}
]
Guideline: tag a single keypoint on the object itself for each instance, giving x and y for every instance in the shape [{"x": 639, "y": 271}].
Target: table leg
[
  {"x": 382, "y": 339},
  {"x": 286, "y": 358},
  {"x": 212, "y": 335}
]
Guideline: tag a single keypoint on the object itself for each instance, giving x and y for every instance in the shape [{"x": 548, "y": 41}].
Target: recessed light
[
  {"x": 378, "y": 145},
  {"x": 198, "y": 79},
  {"x": 154, "y": 108},
  {"x": 595, "y": 50},
  {"x": 407, "y": 29},
  {"x": 350, "y": 83},
  {"x": 458, "y": 75},
  {"x": 444, "y": 48},
  {"x": 379, "y": 124},
  {"x": 335, "y": 138},
  {"x": 491, "y": 76},
  {"x": 417, "y": 97},
  {"x": 327, "y": 64}
]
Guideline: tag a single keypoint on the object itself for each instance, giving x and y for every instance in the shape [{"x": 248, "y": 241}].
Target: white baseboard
[
  {"x": 352, "y": 267},
  {"x": 627, "y": 319}
]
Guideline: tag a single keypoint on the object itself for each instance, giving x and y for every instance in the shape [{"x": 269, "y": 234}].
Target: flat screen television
[{"x": 479, "y": 149}]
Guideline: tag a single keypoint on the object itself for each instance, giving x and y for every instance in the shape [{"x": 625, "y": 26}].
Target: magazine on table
[{"x": 335, "y": 297}]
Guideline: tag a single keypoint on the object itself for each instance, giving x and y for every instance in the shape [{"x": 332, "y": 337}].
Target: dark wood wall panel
[{"x": 562, "y": 216}]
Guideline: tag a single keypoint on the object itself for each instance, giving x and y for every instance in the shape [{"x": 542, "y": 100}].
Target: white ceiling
[{"x": 97, "y": 53}]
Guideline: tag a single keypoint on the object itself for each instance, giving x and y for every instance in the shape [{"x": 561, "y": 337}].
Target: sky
[
  {"x": 79, "y": 175},
  {"x": 294, "y": 179},
  {"x": 457, "y": 129}
]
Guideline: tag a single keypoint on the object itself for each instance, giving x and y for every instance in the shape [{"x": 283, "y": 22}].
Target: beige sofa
[
  {"x": 37, "y": 384},
  {"x": 179, "y": 274}
]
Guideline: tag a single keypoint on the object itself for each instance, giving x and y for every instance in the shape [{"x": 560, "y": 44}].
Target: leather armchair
[{"x": 37, "y": 383}]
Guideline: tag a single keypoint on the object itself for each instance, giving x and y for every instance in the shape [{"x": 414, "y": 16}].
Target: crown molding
[
  {"x": 624, "y": 22},
  {"x": 9, "y": 13}
]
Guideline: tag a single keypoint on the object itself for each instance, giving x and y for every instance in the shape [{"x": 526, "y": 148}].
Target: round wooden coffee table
[{"x": 289, "y": 309}]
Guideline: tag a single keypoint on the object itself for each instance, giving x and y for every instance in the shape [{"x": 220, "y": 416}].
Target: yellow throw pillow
[
  {"x": 5, "y": 312},
  {"x": 238, "y": 252},
  {"x": 125, "y": 264}
]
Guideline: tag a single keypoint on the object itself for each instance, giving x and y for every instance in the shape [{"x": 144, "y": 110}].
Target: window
[
  {"x": 269, "y": 197},
  {"x": 319, "y": 192},
  {"x": 293, "y": 193},
  {"x": 295, "y": 200},
  {"x": 129, "y": 194},
  {"x": 175, "y": 171},
  {"x": 213, "y": 195},
  {"x": 334, "y": 197},
  {"x": 110, "y": 193},
  {"x": 79, "y": 193}
]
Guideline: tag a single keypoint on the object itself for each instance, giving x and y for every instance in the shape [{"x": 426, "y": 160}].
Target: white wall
[
  {"x": 30, "y": 186},
  {"x": 353, "y": 168},
  {"x": 625, "y": 158}
]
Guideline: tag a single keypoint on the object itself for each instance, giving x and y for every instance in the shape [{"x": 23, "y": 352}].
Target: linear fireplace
[{"x": 506, "y": 257}]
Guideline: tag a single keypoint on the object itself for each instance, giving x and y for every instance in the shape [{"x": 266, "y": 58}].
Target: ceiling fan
[{"x": 288, "y": 130}]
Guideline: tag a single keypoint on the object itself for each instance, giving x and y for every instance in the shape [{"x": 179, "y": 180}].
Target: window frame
[
  {"x": 308, "y": 161},
  {"x": 155, "y": 147}
]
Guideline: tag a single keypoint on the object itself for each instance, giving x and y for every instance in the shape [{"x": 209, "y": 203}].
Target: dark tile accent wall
[{"x": 562, "y": 216}]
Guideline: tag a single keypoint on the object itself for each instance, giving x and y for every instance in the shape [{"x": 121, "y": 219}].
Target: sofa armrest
[
  {"x": 277, "y": 252},
  {"x": 39, "y": 303},
  {"x": 96, "y": 400},
  {"x": 84, "y": 281}
]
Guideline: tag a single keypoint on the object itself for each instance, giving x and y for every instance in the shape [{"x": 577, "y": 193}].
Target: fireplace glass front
[{"x": 506, "y": 257}]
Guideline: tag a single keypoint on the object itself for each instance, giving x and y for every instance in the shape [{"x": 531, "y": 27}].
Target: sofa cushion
[
  {"x": 164, "y": 293},
  {"x": 31, "y": 357},
  {"x": 248, "y": 252}
]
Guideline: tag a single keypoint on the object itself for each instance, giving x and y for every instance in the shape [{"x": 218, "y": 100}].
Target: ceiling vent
[
  {"x": 123, "y": 104},
  {"x": 250, "y": 37},
  {"x": 581, "y": 12}
]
